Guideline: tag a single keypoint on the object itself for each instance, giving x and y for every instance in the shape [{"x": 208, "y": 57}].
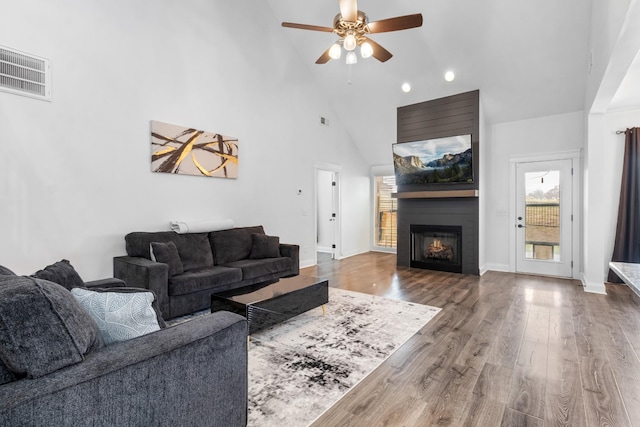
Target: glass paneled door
[{"x": 543, "y": 218}]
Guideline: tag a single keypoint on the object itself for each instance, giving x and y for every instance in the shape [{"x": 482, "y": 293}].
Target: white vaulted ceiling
[{"x": 527, "y": 58}]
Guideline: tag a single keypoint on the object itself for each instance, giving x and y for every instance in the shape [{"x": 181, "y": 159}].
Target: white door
[
  {"x": 325, "y": 238},
  {"x": 544, "y": 200},
  {"x": 333, "y": 214}
]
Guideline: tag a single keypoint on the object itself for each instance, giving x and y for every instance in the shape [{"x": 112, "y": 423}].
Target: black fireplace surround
[
  {"x": 436, "y": 247},
  {"x": 460, "y": 214}
]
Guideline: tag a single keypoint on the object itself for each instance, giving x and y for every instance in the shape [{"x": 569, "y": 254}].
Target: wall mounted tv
[{"x": 434, "y": 161}]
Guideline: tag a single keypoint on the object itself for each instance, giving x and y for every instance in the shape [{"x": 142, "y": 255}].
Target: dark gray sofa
[
  {"x": 194, "y": 373},
  {"x": 211, "y": 262}
]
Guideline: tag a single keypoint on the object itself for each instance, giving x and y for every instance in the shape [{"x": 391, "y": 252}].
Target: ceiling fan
[{"x": 353, "y": 26}]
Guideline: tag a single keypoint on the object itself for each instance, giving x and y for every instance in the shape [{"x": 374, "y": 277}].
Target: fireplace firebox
[{"x": 436, "y": 247}]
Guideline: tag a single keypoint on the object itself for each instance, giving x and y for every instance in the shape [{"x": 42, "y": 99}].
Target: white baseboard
[
  {"x": 384, "y": 250},
  {"x": 494, "y": 267},
  {"x": 304, "y": 263},
  {"x": 350, "y": 254},
  {"x": 593, "y": 287}
]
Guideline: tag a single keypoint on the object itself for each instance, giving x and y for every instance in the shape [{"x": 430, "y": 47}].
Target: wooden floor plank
[
  {"x": 506, "y": 349},
  {"x": 494, "y": 382},
  {"x": 482, "y": 411},
  {"x": 527, "y": 392},
  {"x": 564, "y": 400},
  {"x": 513, "y": 418},
  {"x": 603, "y": 407}
]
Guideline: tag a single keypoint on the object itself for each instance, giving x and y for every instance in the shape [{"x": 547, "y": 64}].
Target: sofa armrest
[
  {"x": 293, "y": 252},
  {"x": 142, "y": 273},
  {"x": 181, "y": 375},
  {"x": 110, "y": 282}
]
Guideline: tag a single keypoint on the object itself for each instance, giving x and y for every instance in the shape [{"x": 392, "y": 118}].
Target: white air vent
[{"x": 24, "y": 74}]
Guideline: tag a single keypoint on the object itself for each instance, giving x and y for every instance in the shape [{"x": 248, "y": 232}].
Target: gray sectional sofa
[
  {"x": 55, "y": 371},
  {"x": 190, "y": 267}
]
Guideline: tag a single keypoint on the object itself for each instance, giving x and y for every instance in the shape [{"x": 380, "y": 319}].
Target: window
[{"x": 385, "y": 212}]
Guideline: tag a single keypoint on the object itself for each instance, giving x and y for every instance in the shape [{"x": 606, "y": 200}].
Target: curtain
[{"x": 627, "y": 243}]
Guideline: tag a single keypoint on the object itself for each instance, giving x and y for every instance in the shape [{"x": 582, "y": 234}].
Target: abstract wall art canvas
[{"x": 189, "y": 151}]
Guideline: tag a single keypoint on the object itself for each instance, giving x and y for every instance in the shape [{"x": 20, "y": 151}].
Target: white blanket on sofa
[{"x": 182, "y": 227}]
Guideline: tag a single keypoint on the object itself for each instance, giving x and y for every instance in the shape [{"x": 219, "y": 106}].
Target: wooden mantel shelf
[{"x": 435, "y": 194}]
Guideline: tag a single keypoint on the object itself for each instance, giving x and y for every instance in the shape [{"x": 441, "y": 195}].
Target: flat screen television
[{"x": 434, "y": 161}]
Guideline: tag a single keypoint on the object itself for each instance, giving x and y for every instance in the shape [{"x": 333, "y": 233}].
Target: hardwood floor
[{"x": 506, "y": 350}]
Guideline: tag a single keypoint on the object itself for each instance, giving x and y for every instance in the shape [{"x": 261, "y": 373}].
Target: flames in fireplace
[
  {"x": 436, "y": 247},
  {"x": 438, "y": 251}
]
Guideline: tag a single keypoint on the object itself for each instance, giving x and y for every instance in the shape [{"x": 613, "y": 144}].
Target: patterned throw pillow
[{"x": 120, "y": 316}]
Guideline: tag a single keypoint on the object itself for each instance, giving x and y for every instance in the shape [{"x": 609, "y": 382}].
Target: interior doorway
[
  {"x": 327, "y": 213},
  {"x": 544, "y": 217}
]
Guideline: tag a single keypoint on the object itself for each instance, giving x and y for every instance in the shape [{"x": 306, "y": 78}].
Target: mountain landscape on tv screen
[{"x": 450, "y": 168}]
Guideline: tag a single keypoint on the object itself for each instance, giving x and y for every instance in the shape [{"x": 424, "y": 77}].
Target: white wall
[
  {"x": 607, "y": 20},
  {"x": 483, "y": 176},
  {"x": 615, "y": 42},
  {"x": 541, "y": 135},
  {"x": 75, "y": 173}
]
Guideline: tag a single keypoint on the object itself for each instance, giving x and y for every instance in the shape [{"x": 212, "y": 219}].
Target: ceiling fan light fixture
[
  {"x": 335, "y": 51},
  {"x": 353, "y": 27},
  {"x": 351, "y": 58},
  {"x": 350, "y": 41},
  {"x": 366, "y": 50}
]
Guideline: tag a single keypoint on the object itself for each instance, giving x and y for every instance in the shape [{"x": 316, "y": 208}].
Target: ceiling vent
[{"x": 24, "y": 74}]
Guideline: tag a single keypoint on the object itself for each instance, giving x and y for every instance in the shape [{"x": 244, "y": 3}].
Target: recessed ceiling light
[
  {"x": 449, "y": 76},
  {"x": 406, "y": 87}
]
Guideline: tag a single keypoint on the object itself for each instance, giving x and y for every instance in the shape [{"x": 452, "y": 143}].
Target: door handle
[{"x": 520, "y": 226}]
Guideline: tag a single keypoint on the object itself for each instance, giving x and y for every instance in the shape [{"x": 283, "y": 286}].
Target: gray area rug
[{"x": 300, "y": 368}]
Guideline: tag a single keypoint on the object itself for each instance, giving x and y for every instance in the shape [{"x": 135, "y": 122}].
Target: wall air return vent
[{"x": 24, "y": 74}]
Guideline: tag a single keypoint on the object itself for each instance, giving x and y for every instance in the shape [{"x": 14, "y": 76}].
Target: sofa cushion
[
  {"x": 263, "y": 246},
  {"x": 194, "y": 248},
  {"x": 42, "y": 327},
  {"x": 202, "y": 279},
  {"x": 252, "y": 268},
  {"x": 233, "y": 245},
  {"x": 62, "y": 273},
  {"x": 120, "y": 316},
  {"x": 167, "y": 253},
  {"x": 4, "y": 271},
  {"x": 6, "y": 376}
]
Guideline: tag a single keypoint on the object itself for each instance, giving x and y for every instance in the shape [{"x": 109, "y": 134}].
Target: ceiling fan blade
[
  {"x": 349, "y": 10},
  {"x": 395, "y": 24},
  {"x": 324, "y": 58},
  {"x": 380, "y": 53},
  {"x": 307, "y": 27}
]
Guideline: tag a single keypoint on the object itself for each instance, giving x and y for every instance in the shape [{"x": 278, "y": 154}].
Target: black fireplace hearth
[{"x": 436, "y": 247}]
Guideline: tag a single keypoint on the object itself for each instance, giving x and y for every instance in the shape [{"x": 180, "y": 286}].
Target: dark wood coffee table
[{"x": 267, "y": 304}]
